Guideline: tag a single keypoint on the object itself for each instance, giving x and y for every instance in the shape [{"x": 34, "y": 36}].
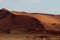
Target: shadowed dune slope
[{"x": 20, "y": 23}]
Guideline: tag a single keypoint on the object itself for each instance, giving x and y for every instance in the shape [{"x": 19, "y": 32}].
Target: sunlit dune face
[{"x": 47, "y": 19}]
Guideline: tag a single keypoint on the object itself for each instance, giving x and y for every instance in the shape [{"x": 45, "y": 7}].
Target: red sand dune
[{"x": 50, "y": 22}]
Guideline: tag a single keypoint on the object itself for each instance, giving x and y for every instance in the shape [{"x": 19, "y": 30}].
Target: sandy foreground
[
  {"x": 26, "y": 37},
  {"x": 17, "y": 36}
]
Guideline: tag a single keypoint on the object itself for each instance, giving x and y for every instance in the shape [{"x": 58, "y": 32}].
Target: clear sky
[{"x": 44, "y": 6}]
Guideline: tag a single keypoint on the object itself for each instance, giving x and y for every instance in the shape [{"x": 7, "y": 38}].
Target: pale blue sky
[{"x": 44, "y": 6}]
